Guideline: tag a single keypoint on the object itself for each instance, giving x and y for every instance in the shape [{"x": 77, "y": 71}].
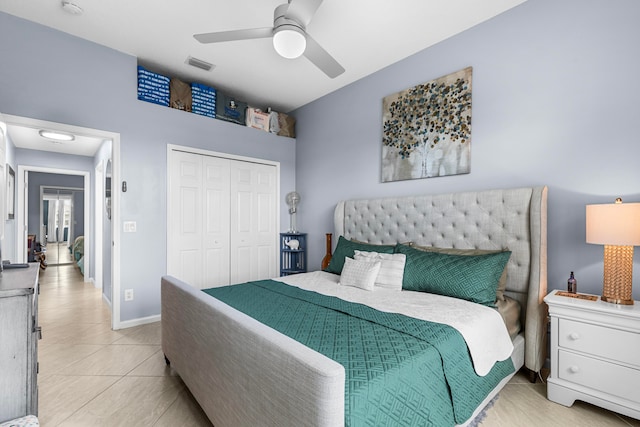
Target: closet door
[
  {"x": 198, "y": 220},
  {"x": 221, "y": 220},
  {"x": 184, "y": 218},
  {"x": 215, "y": 244},
  {"x": 253, "y": 222}
]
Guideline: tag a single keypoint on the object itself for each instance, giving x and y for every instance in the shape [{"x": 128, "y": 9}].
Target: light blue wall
[
  {"x": 104, "y": 155},
  {"x": 555, "y": 102},
  {"x": 78, "y": 214},
  {"x": 56, "y": 77},
  {"x": 9, "y": 240}
]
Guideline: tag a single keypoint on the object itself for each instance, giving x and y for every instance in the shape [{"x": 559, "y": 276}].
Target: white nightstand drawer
[
  {"x": 601, "y": 341},
  {"x": 606, "y": 377}
]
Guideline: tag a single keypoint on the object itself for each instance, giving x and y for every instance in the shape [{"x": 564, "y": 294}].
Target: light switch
[{"x": 129, "y": 226}]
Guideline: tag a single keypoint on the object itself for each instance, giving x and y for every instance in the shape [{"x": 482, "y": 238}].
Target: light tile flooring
[
  {"x": 58, "y": 253},
  {"x": 93, "y": 376}
]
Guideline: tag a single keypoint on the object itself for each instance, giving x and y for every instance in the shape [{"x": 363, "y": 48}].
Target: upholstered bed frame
[
  {"x": 514, "y": 219},
  {"x": 243, "y": 373}
]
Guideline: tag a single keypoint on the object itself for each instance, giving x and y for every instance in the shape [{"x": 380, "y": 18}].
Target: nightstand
[
  {"x": 293, "y": 257},
  {"x": 595, "y": 353}
]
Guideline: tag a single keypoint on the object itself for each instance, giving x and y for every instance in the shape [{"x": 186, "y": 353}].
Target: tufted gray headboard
[{"x": 514, "y": 219}]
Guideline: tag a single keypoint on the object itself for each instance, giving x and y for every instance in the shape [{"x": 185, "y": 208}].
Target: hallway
[{"x": 93, "y": 376}]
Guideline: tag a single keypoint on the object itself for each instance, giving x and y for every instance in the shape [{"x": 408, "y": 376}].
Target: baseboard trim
[{"x": 140, "y": 321}]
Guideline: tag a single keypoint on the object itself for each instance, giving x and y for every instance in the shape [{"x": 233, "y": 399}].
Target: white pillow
[
  {"x": 361, "y": 274},
  {"x": 391, "y": 268}
]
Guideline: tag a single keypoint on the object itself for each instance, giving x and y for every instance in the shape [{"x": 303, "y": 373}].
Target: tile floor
[
  {"x": 93, "y": 376},
  {"x": 58, "y": 253}
]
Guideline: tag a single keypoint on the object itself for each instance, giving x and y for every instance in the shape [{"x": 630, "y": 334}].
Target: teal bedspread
[{"x": 399, "y": 370}]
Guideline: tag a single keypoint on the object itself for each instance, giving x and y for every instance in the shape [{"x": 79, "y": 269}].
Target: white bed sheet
[{"x": 481, "y": 327}]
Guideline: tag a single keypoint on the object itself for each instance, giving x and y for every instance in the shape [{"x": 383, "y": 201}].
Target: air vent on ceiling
[{"x": 199, "y": 63}]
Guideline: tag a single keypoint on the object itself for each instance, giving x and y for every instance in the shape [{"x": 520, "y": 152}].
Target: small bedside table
[
  {"x": 293, "y": 261},
  {"x": 595, "y": 353}
]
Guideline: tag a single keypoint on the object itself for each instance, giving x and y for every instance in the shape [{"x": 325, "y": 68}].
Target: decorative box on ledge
[
  {"x": 230, "y": 109},
  {"x": 203, "y": 100},
  {"x": 209, "y": 102},
  {"x": 153, "y": 87}
]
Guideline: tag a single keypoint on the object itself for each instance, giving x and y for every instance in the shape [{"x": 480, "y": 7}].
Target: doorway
[
  {"x": 62, "y": 225},
  {"x": 89, "y": 143}
]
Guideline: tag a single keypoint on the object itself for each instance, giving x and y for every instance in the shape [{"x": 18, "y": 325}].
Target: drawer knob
[
  {"x": 574, "y": 336},
  {"x": 574, "y": 369}
]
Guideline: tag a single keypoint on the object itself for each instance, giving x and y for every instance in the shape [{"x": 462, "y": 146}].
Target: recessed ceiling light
[
  {"x": 56, "y": 136},
  {"x": 71, "y": 8}
]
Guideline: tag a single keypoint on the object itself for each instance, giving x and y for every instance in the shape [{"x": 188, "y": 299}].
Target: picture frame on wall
[
  {"x": 426, "y": 129},
  {"x": 11, "y": 192}
]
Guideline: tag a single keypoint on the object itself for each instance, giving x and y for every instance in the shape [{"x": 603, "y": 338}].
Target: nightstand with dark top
[{"x": 595, "y": 353}]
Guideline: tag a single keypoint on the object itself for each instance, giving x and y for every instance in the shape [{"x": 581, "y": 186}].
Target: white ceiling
[
  {"x": 24, "y": 133},
  {"x": 364, "y": 36}
]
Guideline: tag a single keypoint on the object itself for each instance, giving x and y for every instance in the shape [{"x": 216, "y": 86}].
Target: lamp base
[
  {"x": 618, "y": 274},
  {"x": 616, "y": 301}
]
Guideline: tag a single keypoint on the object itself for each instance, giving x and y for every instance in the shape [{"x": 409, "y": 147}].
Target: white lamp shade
[
  {"x": 614, "y": 224},
  {"x": 289, "y": 41}
]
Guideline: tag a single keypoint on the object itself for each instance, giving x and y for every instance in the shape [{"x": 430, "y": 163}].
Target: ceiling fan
[{"x": 290, "y": 38}]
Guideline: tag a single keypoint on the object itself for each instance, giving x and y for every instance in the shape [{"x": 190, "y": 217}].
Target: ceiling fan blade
[
  {"x": 302, "y": 10},
  {"x": 321, "y": 59},
  {"x": 227, "y": 36}
]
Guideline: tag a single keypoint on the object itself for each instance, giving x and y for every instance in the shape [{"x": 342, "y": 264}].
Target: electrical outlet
[
  {"x": 128, "y": 294},
  {"x": 129, "y": 226}
]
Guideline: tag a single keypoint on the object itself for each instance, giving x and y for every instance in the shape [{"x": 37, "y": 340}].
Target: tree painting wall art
[{"x": 427, "y": 129}]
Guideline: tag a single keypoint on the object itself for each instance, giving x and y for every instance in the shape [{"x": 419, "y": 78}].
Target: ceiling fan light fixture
[
  {"x": 289, "y": 41},
  {"x": 56, "y": 136}
]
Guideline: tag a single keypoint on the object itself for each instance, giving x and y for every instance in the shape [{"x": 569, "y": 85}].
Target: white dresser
[
  {"x": 595, "y": 353},
  {"x": 19, "y": 334}
]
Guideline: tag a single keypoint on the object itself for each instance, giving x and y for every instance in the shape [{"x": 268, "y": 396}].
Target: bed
[
  {"x": 78, "y": 253},
  {"x": 245, "y": 373}
]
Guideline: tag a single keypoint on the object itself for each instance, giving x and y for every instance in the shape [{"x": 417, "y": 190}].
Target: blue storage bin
[
  {"x": 205, "y": 107},
  {"x": 203, "y": 100},
  {"x": 211, "y": 114},
  {"x": 153, "y": 87}
]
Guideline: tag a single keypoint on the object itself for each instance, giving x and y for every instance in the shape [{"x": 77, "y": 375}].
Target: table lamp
[{"x": 617, "y": 227}]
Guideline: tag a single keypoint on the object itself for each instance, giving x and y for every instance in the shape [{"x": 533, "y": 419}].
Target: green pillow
[
  {"x": 470, "y": 277},
  {"x": 502, "y": 284},
  {"x": 346, "y": 248}
]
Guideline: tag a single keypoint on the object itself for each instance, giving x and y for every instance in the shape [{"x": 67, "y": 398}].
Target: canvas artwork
[{"x": 427, "y": 129}]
